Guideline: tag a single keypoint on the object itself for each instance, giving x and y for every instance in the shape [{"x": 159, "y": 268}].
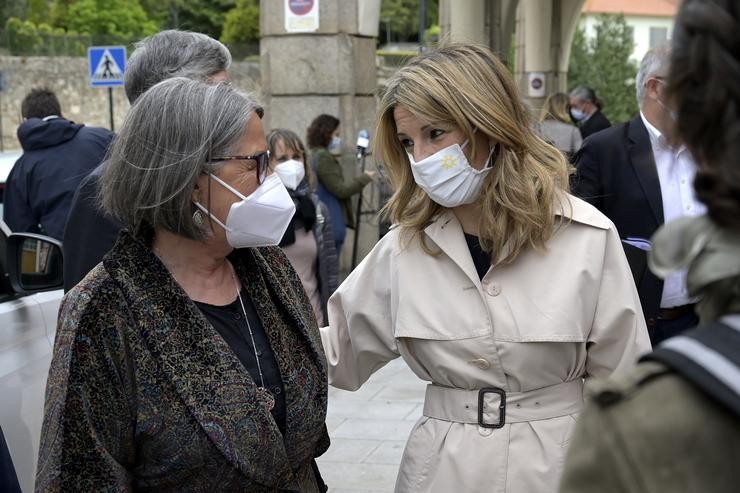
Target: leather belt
[
  {"x": 462, "y": 406},
  {"x": 675, "y": 312}
]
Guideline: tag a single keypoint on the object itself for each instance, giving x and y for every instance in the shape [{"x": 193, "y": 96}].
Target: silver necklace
[{"x": 263, "y": 395}]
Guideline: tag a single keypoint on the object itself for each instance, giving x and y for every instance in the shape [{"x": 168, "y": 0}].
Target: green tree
[
  {"x": 59, "y": 13},
  {"x": 603, "y": 63},
  {"x": 402, "y": 18},
  {"x": 12, "y": 8},
  {"x": 38, "y": 11},
  {"x": 242, "y": 23},
  {"x": 121, "y": 18},
  {"x": 204, "y": 16},
  {"x": 159, "y": 12},
  {"x": 22, "y": 36}
]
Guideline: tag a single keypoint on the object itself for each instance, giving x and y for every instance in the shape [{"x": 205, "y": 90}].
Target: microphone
[{"x": 363, "y": 141}]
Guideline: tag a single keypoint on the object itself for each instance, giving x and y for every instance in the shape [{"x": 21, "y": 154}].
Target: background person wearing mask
[
  {"x": 639, "y": 180},
  {"x": 57, "y": 155},
  {"x": 585, "y": 108},
  {"x": 309, "y": 241},
  {"x": 189, "y": 359},
  {"x": 555, "y": 125},
  {"x": 471, "y": 289},
  {"x": 673, "y": 424},
  {"x": 90, "y": 233},
  {"x": 333, "y": 189}
]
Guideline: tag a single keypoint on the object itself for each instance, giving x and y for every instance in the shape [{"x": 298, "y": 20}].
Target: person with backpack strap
[{"x": 673, "y": 424}]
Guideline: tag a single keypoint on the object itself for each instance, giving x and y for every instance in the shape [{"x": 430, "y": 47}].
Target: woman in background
[
  {"x": 333, "y": 189},
  {"x": 555, "y": 125},
  {"x": 309, "y": 240}
]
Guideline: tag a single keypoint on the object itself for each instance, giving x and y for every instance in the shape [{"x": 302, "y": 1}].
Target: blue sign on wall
[{"x": 106, "y": 65}]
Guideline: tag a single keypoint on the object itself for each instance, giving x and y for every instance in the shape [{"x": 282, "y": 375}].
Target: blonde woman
[
  {"x": 496, "y": 286},
  {"x": 555, "y": 125}
]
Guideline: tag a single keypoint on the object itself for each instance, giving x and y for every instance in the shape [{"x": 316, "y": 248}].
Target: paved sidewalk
[{"x": 368, "y": 430}]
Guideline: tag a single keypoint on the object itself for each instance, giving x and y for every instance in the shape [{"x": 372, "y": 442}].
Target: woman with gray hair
[{"x": 189, "y": 359}]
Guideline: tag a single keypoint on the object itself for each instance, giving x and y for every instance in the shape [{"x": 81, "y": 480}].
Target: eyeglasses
[{"x": 261, "y": 162}]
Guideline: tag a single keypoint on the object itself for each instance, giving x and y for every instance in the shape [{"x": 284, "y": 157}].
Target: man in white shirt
[{"x": 632, "y": 174}]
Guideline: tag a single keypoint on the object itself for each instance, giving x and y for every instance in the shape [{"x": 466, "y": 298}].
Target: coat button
[
  {"x": 481, "y": 363},
  {"x": 493, "y": 289},
  {"x": 651, "y": 322}
]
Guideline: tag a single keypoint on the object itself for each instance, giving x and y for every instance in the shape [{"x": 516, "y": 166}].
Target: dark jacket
[
  {"x": 328, "y": 255},
  {"x": 57, "y": 155},
  {"x": 319, "y": 218},
  {"x": 595, "y": 123},
  {"x": 90, "y": 232},
  {"x": 335, "y": 191},
  {"x": 8, "y": 477},
  {"x": 616, "y": 172},
  {"x": 143, "y": 394}
]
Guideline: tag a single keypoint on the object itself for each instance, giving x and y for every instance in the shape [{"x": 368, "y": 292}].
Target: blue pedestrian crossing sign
[{"x": 106, "y": 65}]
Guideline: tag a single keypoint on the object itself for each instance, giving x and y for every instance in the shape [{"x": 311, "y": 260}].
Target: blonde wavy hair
[
  {"x": 556, "y": 108},
  {"x": 467, "y": 86}
]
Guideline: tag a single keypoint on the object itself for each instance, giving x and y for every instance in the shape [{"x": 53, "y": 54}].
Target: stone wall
[{"x": 68, "y": 78}]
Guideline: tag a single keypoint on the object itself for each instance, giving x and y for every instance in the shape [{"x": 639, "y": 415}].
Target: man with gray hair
[
  {"x": 90, "y": 233},
  {"x": 633, "y": 175},
  {"x": 585, "y": 108}
]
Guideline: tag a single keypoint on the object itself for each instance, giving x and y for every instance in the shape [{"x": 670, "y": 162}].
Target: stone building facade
[{"x": 68, "y": 78}]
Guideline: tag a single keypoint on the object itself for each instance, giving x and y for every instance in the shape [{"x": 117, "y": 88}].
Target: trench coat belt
[{"x": 461, "y": 405}]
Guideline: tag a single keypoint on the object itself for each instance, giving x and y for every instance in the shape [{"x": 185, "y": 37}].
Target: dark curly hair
[
  {"x": 320, "y": 130},
  {"x": 704, "y": 88},
  {"x": 40, "y": 103}
]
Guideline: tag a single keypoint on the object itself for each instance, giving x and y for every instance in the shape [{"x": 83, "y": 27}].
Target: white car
[
  {"x": 30, "y": 293},
  {"x": 7, "y": 160}
]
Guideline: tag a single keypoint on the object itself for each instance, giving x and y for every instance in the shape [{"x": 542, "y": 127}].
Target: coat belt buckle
[{"x": 501, "y": 407}]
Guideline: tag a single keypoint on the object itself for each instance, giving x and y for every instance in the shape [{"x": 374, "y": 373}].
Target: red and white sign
[{"x": 301, "y": 16}]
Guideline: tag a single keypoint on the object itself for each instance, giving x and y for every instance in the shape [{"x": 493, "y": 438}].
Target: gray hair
[
  {"x": 584, "y": 93},
  {"x": 654, "y": 63},
  {"x": 173, "y": 53},
  {"x": 164, "y": 145}
]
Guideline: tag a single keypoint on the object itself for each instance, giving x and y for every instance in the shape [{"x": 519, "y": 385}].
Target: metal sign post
[{"x": 106, "y": 65}]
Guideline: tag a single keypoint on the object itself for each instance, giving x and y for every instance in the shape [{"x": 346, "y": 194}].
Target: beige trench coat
[{"x": 534, "y": 328}]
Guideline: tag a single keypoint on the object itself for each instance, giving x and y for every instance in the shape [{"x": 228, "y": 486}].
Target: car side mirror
[{"x": 34, "y": 263}]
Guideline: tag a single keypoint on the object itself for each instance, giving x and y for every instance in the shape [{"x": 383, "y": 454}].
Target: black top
[
  {"x": 8, "y": 478},
  {"x": 229, "y": 322},
  {"x": 481, "y": 259},
  {"x": 594, "y": 123}
]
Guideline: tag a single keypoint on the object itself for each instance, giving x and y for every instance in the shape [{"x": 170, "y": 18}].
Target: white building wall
[{"x": 640, "y": 26}]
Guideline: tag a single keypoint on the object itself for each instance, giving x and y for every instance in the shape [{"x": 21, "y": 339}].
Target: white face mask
[
  {"x": 577, "y": 114},
  {"x": 259, "y": 219},
  {"x": 335, "y": 146},
  {"x": 447, "y": 177},
  {"x": 291, "y": 173}
]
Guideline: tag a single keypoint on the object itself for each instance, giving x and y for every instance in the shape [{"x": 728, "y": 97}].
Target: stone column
[
  {"x": 463, "y": 21},
  {"x": 501, "y": 21},
  {"x": 331, "y": 70},
  {"x": 544, "y": 32}
]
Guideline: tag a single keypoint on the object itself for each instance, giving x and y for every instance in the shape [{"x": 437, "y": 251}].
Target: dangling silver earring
[{"x": 198, "y": 218}]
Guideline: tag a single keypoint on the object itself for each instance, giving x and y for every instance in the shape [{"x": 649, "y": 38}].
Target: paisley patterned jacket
[{"x": 144, "y": 395}]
